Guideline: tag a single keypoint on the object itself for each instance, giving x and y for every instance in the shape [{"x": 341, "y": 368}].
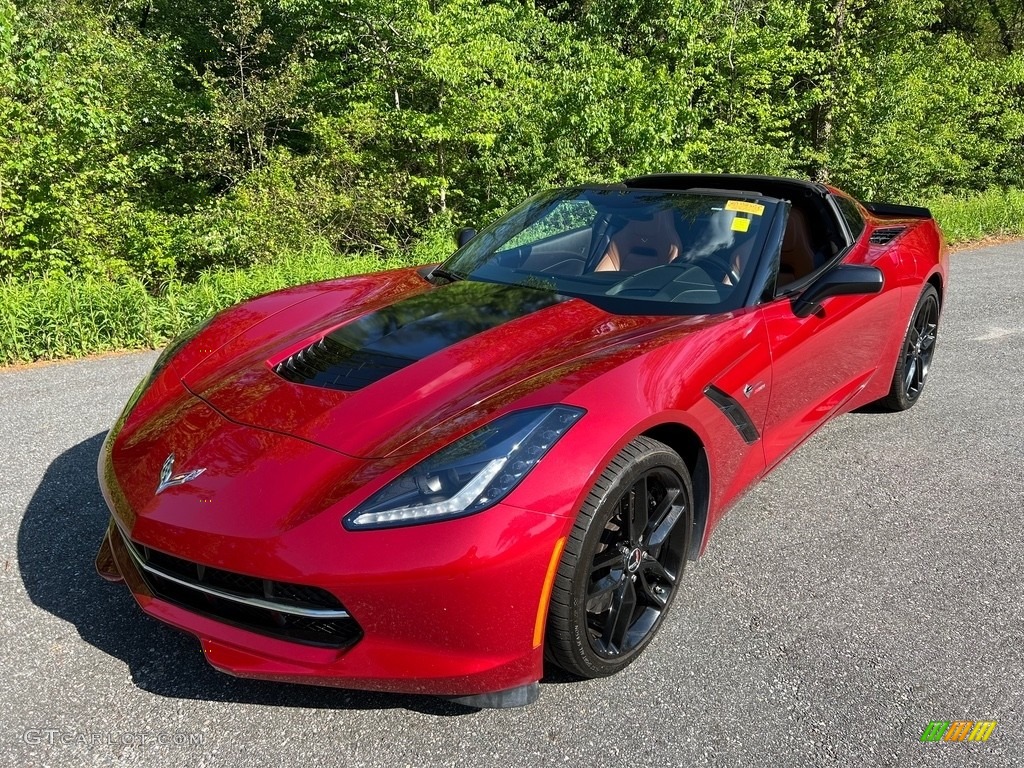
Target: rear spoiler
[{"x": 898, "y": 211}]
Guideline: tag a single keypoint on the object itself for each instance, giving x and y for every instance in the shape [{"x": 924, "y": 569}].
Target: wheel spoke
[
  {"x": 911, "y": 372},
  {"x": 929, "y": 337},
  {"x": 652, "y": 568},
  {"x": 599, "y": 595},
  {"x": 638, "y": 501},
  {"x": 607, "y": 559},
  {"x": 667, "y": 515},
  {"x": 925, "y": 317},
  {"x": 620, "y": 616},
  {"x": 657, "y": 594}
]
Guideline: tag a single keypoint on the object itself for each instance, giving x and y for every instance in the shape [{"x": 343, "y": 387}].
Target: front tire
[
  {"x": 622, "y": 563},
  {"x": 916, "y": 354}
]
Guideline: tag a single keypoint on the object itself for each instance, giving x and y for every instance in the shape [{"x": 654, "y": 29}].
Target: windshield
[{"x": 630, "y": 251}]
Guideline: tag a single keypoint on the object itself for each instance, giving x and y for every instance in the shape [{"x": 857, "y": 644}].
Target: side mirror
[
  {"x": 464, "y": 235},
  {"x": 844, "y": 280}
]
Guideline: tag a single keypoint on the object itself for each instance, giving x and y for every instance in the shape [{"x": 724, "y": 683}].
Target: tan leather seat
[
  {"x": 797, "y": 258},
  {"x": 642, "y": 244},
  {"x": 719, "y": 239}
]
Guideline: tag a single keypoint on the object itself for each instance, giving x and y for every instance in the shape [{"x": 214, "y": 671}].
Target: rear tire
[
  {"x": 622, "y": 563},
  {"x": 916, "y": 354}
]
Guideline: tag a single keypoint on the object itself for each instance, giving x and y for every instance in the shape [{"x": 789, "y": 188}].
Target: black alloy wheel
[
  {"x": 622, "y": 562},
  {"x": 911, "y": 372}
]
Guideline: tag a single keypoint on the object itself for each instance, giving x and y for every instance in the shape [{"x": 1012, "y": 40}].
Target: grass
[
  {"x": 59, "y": 316},
  {"x": 996, "y": 213}
]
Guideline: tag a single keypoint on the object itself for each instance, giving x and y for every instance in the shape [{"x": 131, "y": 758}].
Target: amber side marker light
[{"x": 545, "y": 593}]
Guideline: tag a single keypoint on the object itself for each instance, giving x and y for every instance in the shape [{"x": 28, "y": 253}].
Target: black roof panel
[{"x": 774, "y": 186}]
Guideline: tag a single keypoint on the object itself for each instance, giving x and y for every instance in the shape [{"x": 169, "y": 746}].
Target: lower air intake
[{"x": 295, "y": 612}]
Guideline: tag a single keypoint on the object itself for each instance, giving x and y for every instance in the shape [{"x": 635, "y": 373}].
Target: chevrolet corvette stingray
[{"x": 438, "y": 479}]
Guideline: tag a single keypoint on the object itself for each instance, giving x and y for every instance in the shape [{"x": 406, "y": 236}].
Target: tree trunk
[
  {"x": 1005, "y": 36},
  {"x": 828, "y": 106},
  {"x": 444, "y": 181}
]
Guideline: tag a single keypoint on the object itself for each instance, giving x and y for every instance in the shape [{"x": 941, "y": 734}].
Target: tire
[
  {"x": 916, "y": 353},
  {"x": 632, "y": 573}
]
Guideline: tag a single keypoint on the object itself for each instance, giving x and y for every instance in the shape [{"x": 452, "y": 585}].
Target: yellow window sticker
[
  {"x": 744, "y": 207},
  {"x": 740, "y": 225}
]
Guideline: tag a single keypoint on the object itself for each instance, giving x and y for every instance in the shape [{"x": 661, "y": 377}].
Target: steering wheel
[{"x": 722, "y": 267}]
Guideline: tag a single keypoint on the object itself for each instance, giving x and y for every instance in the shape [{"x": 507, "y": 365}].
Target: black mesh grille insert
[
  {"x": 886, "y": 235},
  {"x": 280, "y": 613}
]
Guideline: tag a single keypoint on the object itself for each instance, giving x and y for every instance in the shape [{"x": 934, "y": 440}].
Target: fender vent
[
  {"x": 886, "y": 235},
  {"x": 734, "y": 412}
]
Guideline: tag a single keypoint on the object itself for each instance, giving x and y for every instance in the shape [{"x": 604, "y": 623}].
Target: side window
[
  {"x": 567, "y": 217},
  {"x": 852, "y": 215}
]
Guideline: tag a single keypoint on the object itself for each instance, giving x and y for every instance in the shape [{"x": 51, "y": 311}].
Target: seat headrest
[{"x": 796, "y": 230}]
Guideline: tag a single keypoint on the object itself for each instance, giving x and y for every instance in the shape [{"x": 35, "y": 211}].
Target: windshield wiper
[{"x": 441, "y": 272}]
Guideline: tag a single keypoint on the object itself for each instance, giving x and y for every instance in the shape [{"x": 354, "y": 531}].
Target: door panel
[
  {"x": 736, "y": 363},
  {"x": 821, "y": 361}
]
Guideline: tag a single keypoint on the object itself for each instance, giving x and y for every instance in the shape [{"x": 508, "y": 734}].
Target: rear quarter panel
[{"x": 917, "y": 256}]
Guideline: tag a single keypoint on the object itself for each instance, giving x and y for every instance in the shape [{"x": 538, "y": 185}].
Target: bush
[{"x": 162, "y": 139}]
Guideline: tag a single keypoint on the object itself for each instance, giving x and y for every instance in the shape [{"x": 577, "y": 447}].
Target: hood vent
[
  {"x": 334, "y": 365},
  {"x": 388, "y": 339},
  {"x": 886, "y": 235}
]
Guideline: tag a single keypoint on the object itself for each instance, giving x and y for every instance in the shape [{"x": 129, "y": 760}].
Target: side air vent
[
  {"x": 734, "y": 412},
  {"x": 886, "y": 235}
]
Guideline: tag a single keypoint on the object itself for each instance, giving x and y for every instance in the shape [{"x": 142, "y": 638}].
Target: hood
[
  {"x": 365, "y": 379},
  {"x": 232, "y": 481}
]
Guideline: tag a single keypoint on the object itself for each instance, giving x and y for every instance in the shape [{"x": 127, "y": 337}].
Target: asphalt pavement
[{"x": 873, "y": 583}]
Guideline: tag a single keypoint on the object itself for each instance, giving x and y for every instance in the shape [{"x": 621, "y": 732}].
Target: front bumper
[
  {"x": 430, "y": 624},
  {"x": 453, "y": 608}
]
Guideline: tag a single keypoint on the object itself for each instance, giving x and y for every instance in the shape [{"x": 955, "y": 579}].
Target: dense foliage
[{"x": 155, "y": 138}]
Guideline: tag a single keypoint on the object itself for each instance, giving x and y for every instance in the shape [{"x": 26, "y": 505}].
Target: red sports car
[{"x": 437, "y": 479}]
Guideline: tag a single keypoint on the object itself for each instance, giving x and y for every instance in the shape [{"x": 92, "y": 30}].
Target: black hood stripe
[{"x": 376, "y": 345}]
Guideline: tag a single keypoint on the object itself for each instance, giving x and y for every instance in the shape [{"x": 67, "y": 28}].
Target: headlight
[{"x": 469, "y": 475}]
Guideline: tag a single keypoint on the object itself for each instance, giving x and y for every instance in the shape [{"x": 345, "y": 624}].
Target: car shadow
[
  {"x": 872, "y": 409},
  {"x": 57, "y": 543}
]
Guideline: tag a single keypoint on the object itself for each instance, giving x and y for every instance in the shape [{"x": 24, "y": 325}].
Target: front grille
[
  {"x": 296, "y": 612},
  {"x": 886, "y": 235}
]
